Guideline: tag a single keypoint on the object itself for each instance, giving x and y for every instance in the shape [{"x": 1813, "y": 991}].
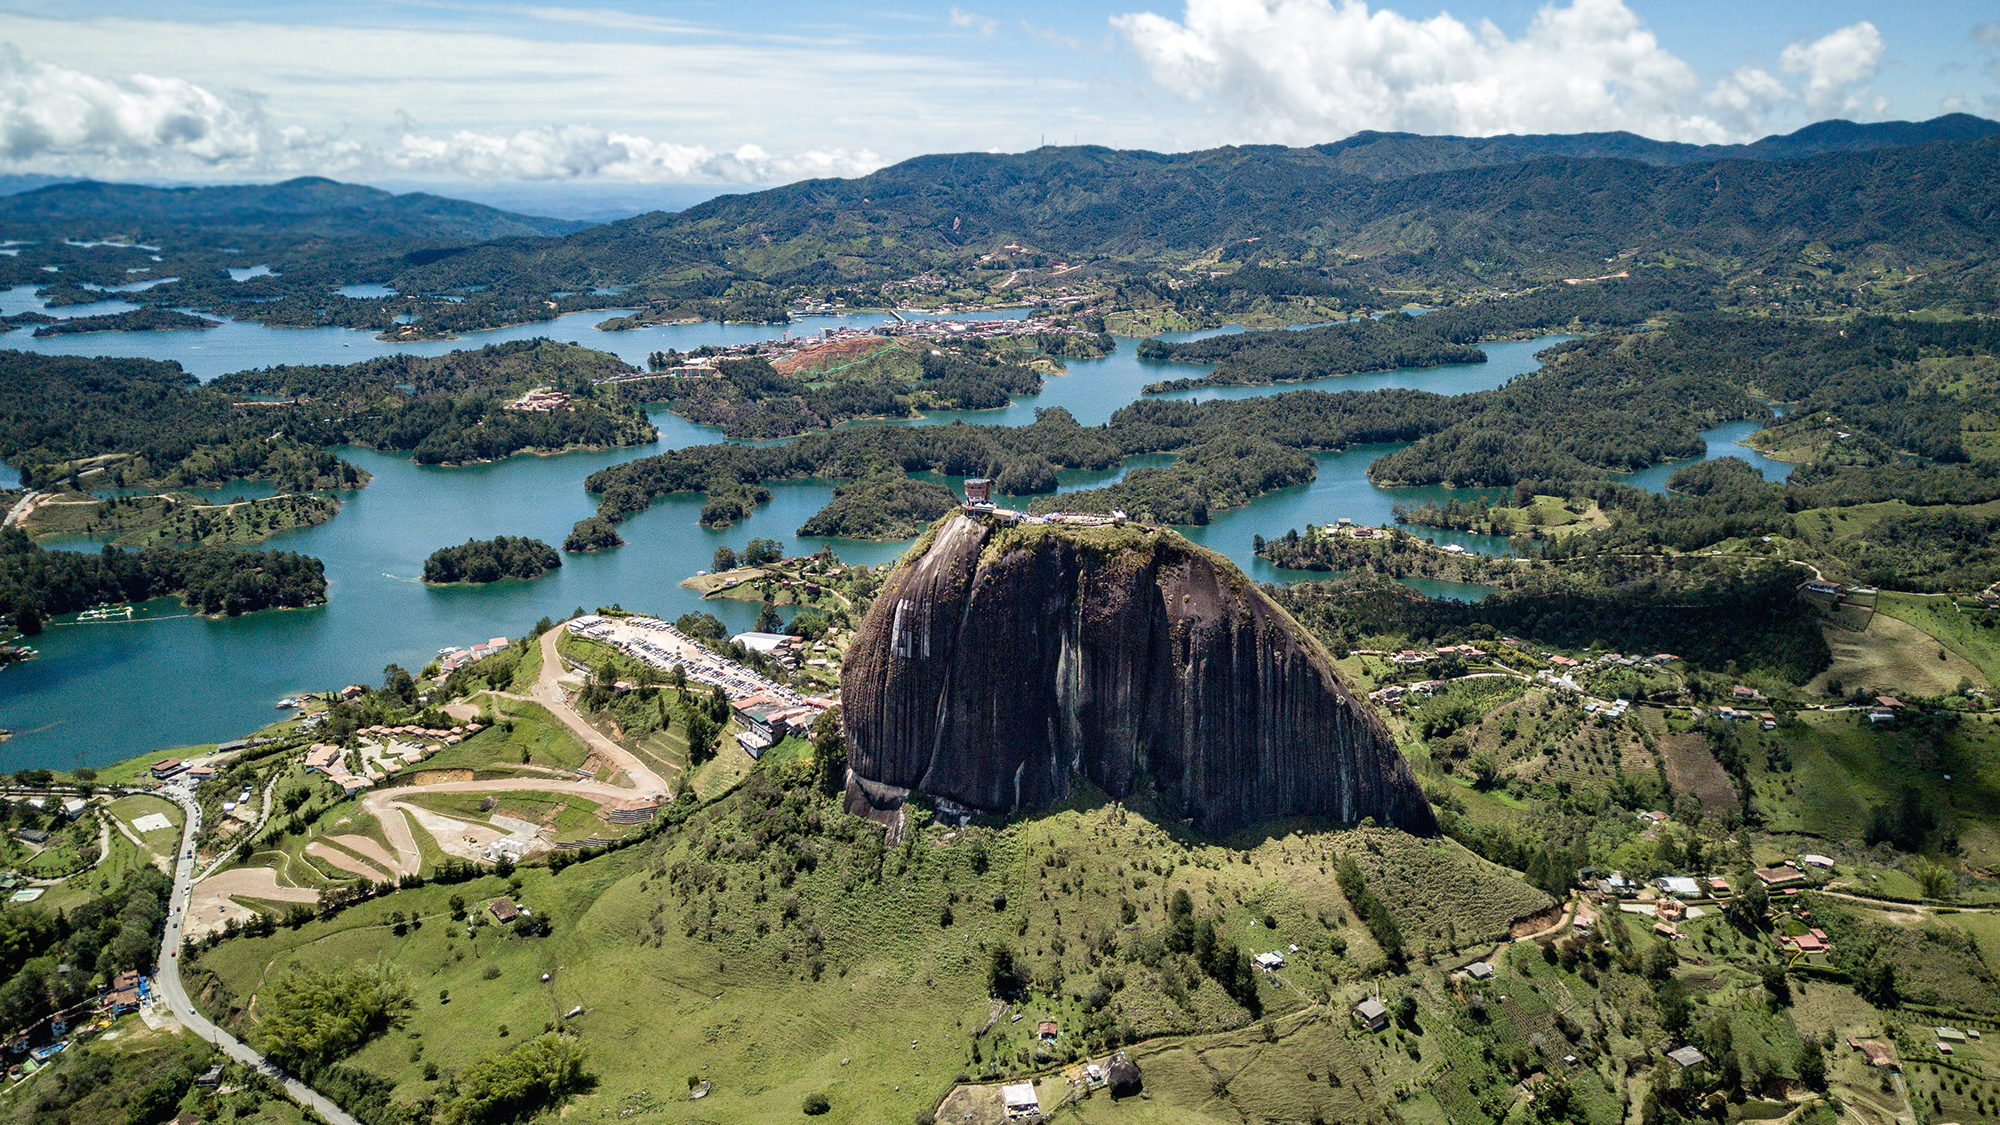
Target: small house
[
  {"x": 1371, "y": 1015},
  {"x": 1270, "y": 961},
  {"x": 1020, "y": 1100},
  {"x": 503, "y": 909},
  {"x": 1687, "y": 1057},
  {"x": 1479, "y": 970},
  {"x": 1047, "y": 1031},
  {"x": 1949, "y": 1035},
  {"x": 33, "y": 836},
  {"x": 73, "y": 807},
  {"x": 1811, "y": 860},
  {"x": 1780, "y": 876},
  {"x": 210, "y": 1077}
]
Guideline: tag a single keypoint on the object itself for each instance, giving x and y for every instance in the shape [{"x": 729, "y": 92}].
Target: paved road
[{"x": 168, "y": 978}]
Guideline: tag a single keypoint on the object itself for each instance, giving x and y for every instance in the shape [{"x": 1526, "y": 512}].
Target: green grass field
[
  {"x": 763, "y": 980},
  {"x": 1960, "y": 632}
]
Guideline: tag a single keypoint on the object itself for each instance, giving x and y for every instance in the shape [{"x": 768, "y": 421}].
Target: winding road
[{"x": 168, "y": 977}]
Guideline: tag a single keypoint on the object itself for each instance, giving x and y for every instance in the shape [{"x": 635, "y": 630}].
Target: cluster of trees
[
  {"x": 452, "y": 408},
  {"x": 521, "y": 1083},
  {"x": 143, "y": 319},
  {"x": 37, "y": 584},
  {"x": 1218, "y": 957},
  {"x": 1372, "y": 912},
  {"x": 314, "y": 1017},
  {"x": 887, "y": 504},
  {"x": 489, "y": 560},
  {"x": 752, "y": 399},
  {"x": 757, "y": 552},
  {"x": 170, "y": 429},
  {"x": 1362, "y": 344},
  {"x": 1710, "y": 611},
  {"x": 99, "y": 939}
]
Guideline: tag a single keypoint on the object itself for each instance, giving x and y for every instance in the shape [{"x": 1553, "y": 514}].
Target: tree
[
  {"x": 767, "y": 618},
  {"x": 1811, "y": 1064},
  {"x": 1777, "y": 984},
  {"x": 725, "y": 559},
  {"x": 1003, "y": 975},
  {"x": 829, "y": 752},
  {"x": 815, "y": 1105},
  {"x": 762, "y": 551},
  {"x": 397, "y": 682},
  {"x": 1747, "y": 909},
  {"x": 27, "y": 620}
]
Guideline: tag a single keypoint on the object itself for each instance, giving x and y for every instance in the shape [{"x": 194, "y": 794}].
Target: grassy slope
[
  {"x": 1956, "y": 631},
  {"x": 741, "y": 1008}
]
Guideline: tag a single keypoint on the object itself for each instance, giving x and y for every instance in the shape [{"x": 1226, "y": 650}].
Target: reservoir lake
[{"x": 105, "y": 691}]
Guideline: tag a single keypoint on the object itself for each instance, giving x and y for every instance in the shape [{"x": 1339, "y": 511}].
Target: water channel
[{"x": 105, "y": 691}]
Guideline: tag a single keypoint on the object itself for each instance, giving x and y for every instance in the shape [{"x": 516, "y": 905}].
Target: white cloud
[
  {"x": 1837, "y": 68},
  {"x": 59, "y": 120},
  {"x": 984, "y": 25},
  {"x": 1302, "y": 71},
  {"x": 47, "y": 111},
  {"x": 581, "y": 152}
]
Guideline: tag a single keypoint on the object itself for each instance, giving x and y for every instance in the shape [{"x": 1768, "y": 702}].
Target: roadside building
[
  {"x": 168, "y": 767},
  {"x": 1479, "y": 970}
]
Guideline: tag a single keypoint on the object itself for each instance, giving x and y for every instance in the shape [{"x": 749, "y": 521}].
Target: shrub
[{"x": 816, "y": 1104}]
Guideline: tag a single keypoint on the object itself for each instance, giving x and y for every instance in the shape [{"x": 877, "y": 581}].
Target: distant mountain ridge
[
  {"x": 1505, "y": 207},
  {"x": 310, "y": 206},
  {"x": 1381, "y": 156}
]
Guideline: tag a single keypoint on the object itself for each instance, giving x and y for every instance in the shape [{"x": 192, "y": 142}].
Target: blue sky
[{"x": 765, "y": 92}]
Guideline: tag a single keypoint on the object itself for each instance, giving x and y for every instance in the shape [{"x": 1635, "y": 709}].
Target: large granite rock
[{"x": 1004, "y": 662}]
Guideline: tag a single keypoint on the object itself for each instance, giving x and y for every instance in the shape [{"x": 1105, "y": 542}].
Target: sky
[{"x": 751, "y": 93}]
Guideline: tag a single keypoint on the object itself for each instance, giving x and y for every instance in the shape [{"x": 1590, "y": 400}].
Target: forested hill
[
  {"x": 1542, "y": 218},
  {"x": 1388, "y": 156},
  {"x": 308, "y": 206}
]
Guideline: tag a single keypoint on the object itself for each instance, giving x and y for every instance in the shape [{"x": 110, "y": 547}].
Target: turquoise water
[
  {"x": 1722, "y": 442},
  {"x": 102, "y": 692}
]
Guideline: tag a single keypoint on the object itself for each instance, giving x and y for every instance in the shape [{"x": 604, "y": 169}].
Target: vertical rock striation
[{"x": 1005, "y": 661}]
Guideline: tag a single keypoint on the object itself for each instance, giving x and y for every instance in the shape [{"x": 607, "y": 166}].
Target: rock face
[{"x": 1006, "y": 661}]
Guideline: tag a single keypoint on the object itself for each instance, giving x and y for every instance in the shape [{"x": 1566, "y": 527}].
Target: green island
[
  {"x": 138, "y": 320},
  {"x": 881, "y": 505},
  {"x": 213, "y": 580},
  {"x": 175, "y": 519},
  {"x": 479, "y": 561}
]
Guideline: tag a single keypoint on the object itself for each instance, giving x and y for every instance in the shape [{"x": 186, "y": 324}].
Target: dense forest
[
  {"x": 37, "y": 584},
  {"x": 169, "y": 429},
  {"x": 881, "y": 505},
  {"x": 1709, "y": 611},
  {"x": 156, "y": 425},
  {"x": 51, "y": 960},
  {"x": 453, "y": 408},
  {"x": 751, "y": 399},
  {"x": 1437, "y": 337},
  {"x": 490, "y": 560}
]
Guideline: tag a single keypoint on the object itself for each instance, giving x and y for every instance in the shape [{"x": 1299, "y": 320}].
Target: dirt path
[
  {"x": 466, "y": 839},
  {"x": 24, "y": 507},
  {"x": 211, "y": 903},
  {"x": 548, "y": 693},
  {"x": 373, "y": 852},
  {"x": 346, "y": 862}
]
